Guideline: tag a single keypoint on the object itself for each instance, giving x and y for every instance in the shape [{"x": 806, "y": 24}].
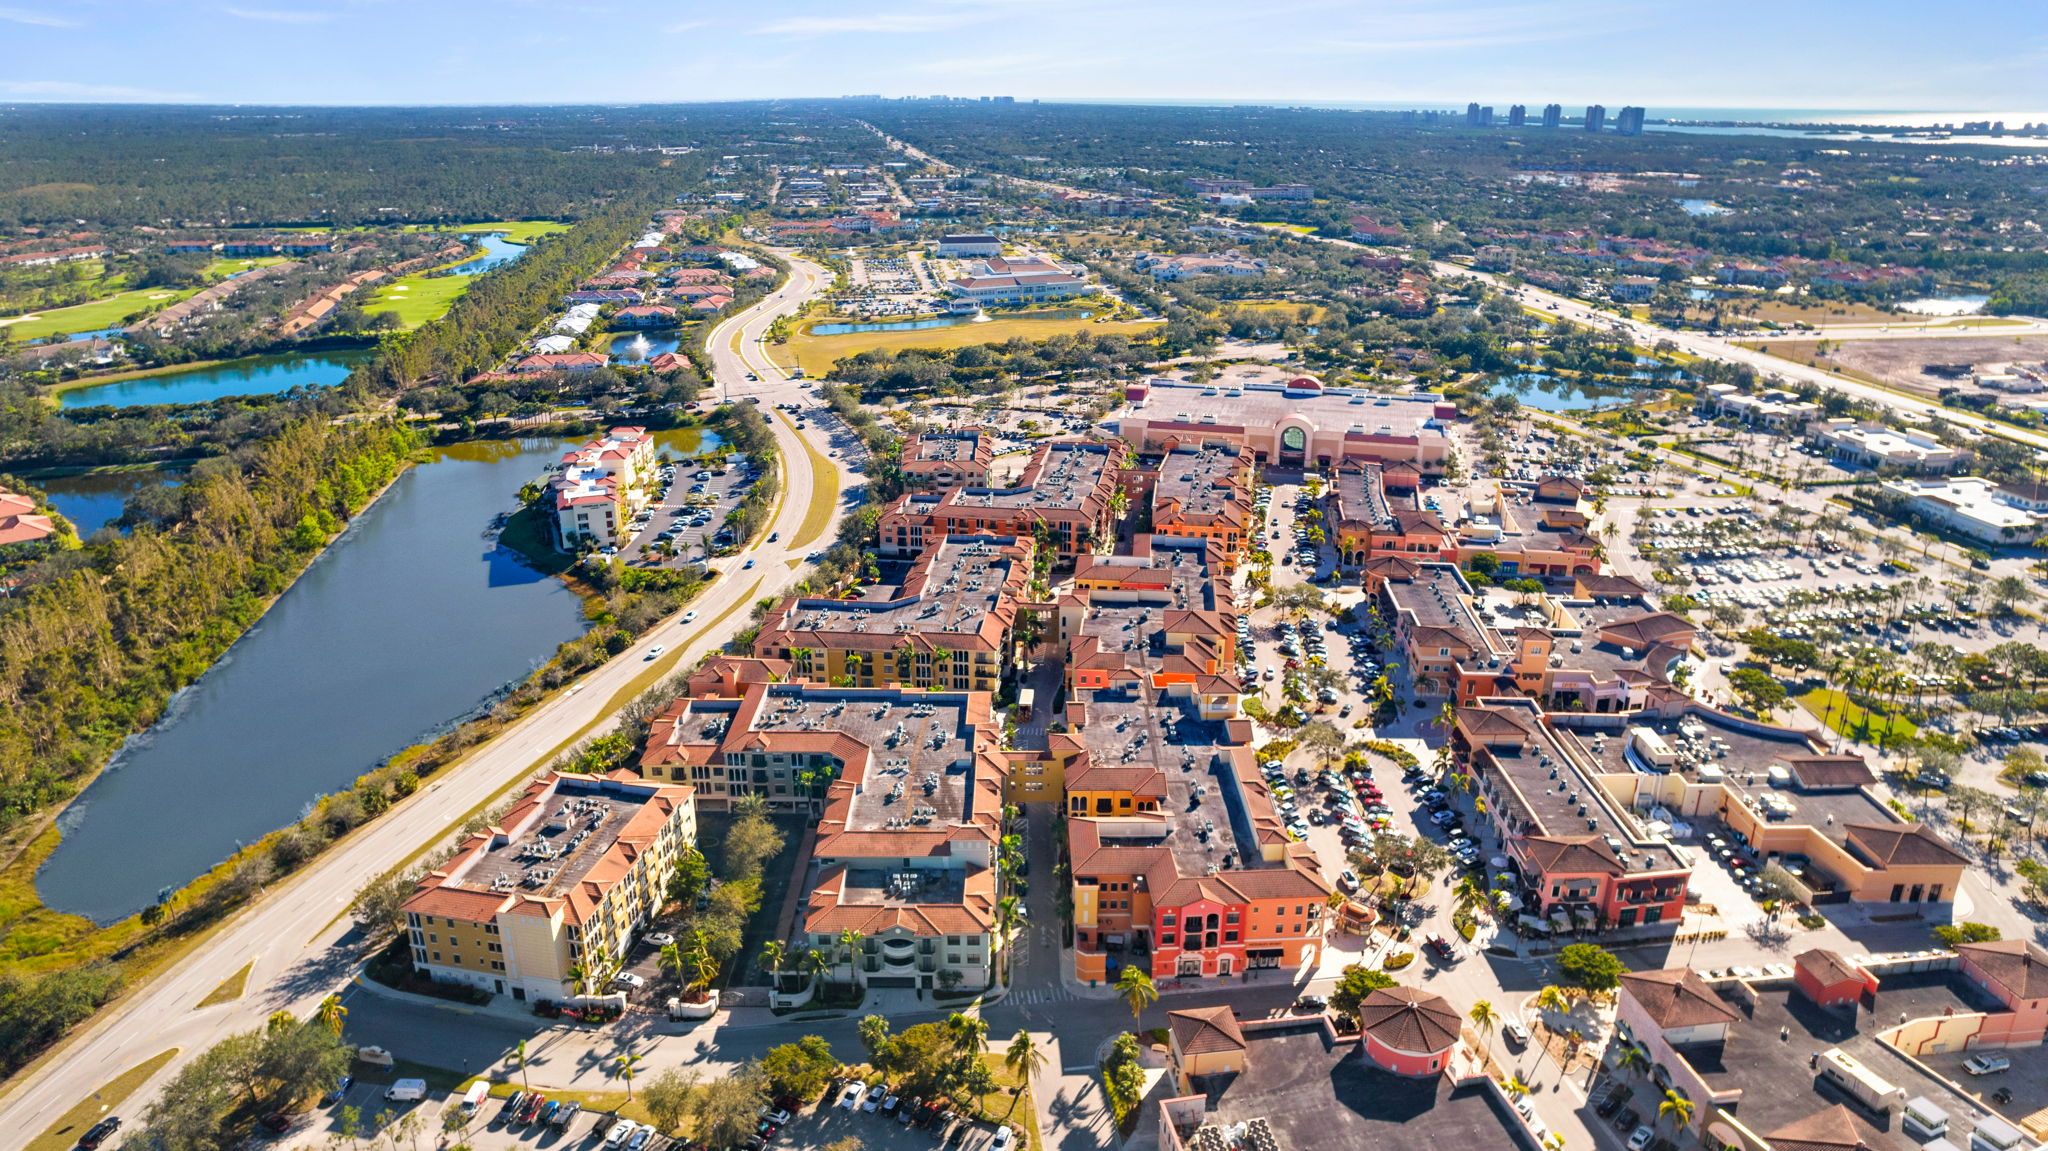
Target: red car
[{"x": 533, "y": 1107}]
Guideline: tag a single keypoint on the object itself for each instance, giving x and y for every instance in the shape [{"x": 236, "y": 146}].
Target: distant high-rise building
[
  {"x": 1630, "y": 121},
  {"x": 1553, "y": 114},
  {"x": 1596, "y": 117},
  {"x": 1486, "y": 116},
  {"x": 1517, "y": 115},
  {"x": 1472, "y": 115}
]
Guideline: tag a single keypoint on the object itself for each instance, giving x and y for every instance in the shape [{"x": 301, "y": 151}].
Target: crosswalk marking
[{"x": 1026, "y": 998}]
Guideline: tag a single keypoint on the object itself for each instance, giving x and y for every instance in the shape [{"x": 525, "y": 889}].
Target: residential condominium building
[
  {"x": 1299, "y": 423},
  {"x": 1181, "y": 863},
  {"x": 1971, "y": 506},
  {"x": 1065, "y": 498},
  {"x": 599, "y": 488},
  {"x": 908, "y": 788},
  {"x": 1203, "y": 493},
  {"x": 948, "y": 627},
  {"x": 940, "y": 461},
  {"x": 1876, "y": 446},
  {"x": 563, "y": 881}
]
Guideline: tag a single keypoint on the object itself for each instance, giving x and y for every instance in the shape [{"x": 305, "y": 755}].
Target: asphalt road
[{"x": 302, "y": 946}]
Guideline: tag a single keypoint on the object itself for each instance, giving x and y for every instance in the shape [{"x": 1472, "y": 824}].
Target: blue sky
[{"x": 1836, "y": 54}]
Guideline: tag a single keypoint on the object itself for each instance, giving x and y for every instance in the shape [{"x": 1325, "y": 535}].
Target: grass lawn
[
  {"x": 91, "y": 316},
  {"x": 64, "y": 1133},
  {"x": 816, "y": 354},
  {"x": 419, "y": 299},
  {"x": 222, "y": 269},
  {"x": 1003, "y": 1107},
  {"x": 1302, "y": 229},
  {"x": 230, "y": 989},
  {"x": 824, "y": 497},
  {"x": 1287, "y": 308},
  {"x": 517, "y": 231},
  {"x": 1847, "y": 717}
]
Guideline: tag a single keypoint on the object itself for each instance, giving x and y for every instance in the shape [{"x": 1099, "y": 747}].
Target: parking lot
[
  {"x": 691, "y": 510},
  {"x": 910, "y": 1125}
]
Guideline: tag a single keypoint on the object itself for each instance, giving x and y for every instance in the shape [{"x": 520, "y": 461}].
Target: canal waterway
[{"x": 415, "y": 618}]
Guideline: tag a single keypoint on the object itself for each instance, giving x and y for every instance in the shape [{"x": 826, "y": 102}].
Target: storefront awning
[{"x": 1533, "y": 923}]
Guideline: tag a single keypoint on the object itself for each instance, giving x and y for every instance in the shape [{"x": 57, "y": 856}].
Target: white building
[
  {"x": 1181, "y": 267},
  {"x": 963, "y": 244},
  {"x": 1876, "y": 446},
  {"x": 600, "y": 487},
  {"x": 1001, "y": 281},
  {"x": 1975, "y": 507},
  {"x": 1778, "y": 410}
]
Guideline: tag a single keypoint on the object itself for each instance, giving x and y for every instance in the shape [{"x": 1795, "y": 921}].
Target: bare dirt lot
[{"x": 1900, "y": 363}]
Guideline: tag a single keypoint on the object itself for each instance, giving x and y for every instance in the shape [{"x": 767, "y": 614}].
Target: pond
[
  {"x": 93, "y": 500},
  {"x": 414, "y": 619},
  {"x": 1946, "y": 305},
  {"x": 1704, "y": 208},
  {"x": 255, "y": 375},
  {"x": 639, "y": 347},
  {"x": 1548, "y": 393},
  {"x": 497, "y": 250}
]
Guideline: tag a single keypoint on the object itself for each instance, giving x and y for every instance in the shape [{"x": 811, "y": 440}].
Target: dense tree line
[
  {"x": 215, "y": 1100},
  {"x": 504, "y": 306},
  {"x": 991, "y": 367},
  {"x": 107, "y": 633}
]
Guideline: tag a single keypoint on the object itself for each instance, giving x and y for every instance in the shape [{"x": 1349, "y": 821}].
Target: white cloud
[
  {"x": 279, "y": 15},
  {"x": 73, "y": 90},
  {"x": 39, "y": 19}
]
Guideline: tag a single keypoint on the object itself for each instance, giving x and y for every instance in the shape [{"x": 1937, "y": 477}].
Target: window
[
  {"x": 1168, "y": 939},
  {"x": 1230, "y": 937},
  {"x": 437, "y": 957},
  {"x": 952, "y": 941},
  {"x": 1166, "y": 920},
  {"x": 1230, "y": 917}
]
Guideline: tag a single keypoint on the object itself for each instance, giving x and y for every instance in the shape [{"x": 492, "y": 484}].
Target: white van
[
  {"x": 406, "y": 1091},
  {"x": 475, "y": 1096}
]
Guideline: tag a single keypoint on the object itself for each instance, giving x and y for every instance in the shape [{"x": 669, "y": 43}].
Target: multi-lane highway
[{"x": 294, "y": 934}]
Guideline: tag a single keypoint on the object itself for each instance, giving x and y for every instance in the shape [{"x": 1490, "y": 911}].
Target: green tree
[
  {"x": 1590, "y": 966},
  {"x": 1135, "y": 988},
  {"x": 624, "y": 1066},
  {"x": 800, "y": 1069},
  {"x": 667, "y": 1096},
  {"x": 1956, "y": 934},
  {"x": 874, "y": 1034},
  {"x": 1485, "y": 1018},
  {"x": 1354, "y": 985},
  {"x": 692, "y": 876},
  {"x": 724, "y": 1111}
]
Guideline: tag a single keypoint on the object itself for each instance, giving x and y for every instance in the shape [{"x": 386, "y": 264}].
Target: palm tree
[
  {"x": 1553, "y": 998},
  {"x": 1135, "y": 988},
  {"x": 1024, "y": 1057},
  {"x": 1008, "y": 919},
  {"x": 671, "y": 960},
  {"x": 1468, "y": 893},
  {"x": 1631, "y": 1058},
  {"x": 814, "y": 964},
  {"x": 1514, "y": 1087},
  {"x": 969, "y": 1032},
  {"x": 774, "y": 954},
  {"x": 519, "y": 1055},
  {"x": 849, "y": 942},
  {"x": 1485, "y": 1018},
  {"x": 331, "y": 1013},
  {"x": 800, "y": 661},
  {"x": 624, "y": 1066},
  {"x": 1675, "y": 1107}
]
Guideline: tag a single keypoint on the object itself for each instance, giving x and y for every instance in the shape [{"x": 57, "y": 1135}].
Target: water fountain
[
  {"x": 636, "y": 351},
  {"x": 980, "y": 317}
]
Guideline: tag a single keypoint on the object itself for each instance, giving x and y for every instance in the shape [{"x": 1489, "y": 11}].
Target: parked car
[
  {"x": 850, "y": 1098},
  {"x": 1641, "y": 1138},
  {"x": 874, "y": 1097},
  {"x": 1987, "y": 1064}
]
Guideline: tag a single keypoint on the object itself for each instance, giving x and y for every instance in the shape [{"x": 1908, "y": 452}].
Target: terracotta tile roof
[
  {"x": 1677, "y": 997},
  {"x": 1903, "y": 845},
  {"x": 1834, "y": 1129},
  {"x": 1652, "y": 630},
  {"x": 1391, "y": 566},
  {"x": 1610, "y": 587},
  {"x": 1203, "y": 1030},
  {"x": 2020, "y": 966},
  {"x": 1409, "y": 1020},
  {"x": 1827, "y": 967},
  {"x": 1574, "y": 855},
  {"x": 1818, "y": 771},
  {"x": 1491, "y": 722}
]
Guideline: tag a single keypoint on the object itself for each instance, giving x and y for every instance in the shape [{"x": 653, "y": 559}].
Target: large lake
[
  {"x": 256, "y": 375},
  {"x": 412, "y": 620}
]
